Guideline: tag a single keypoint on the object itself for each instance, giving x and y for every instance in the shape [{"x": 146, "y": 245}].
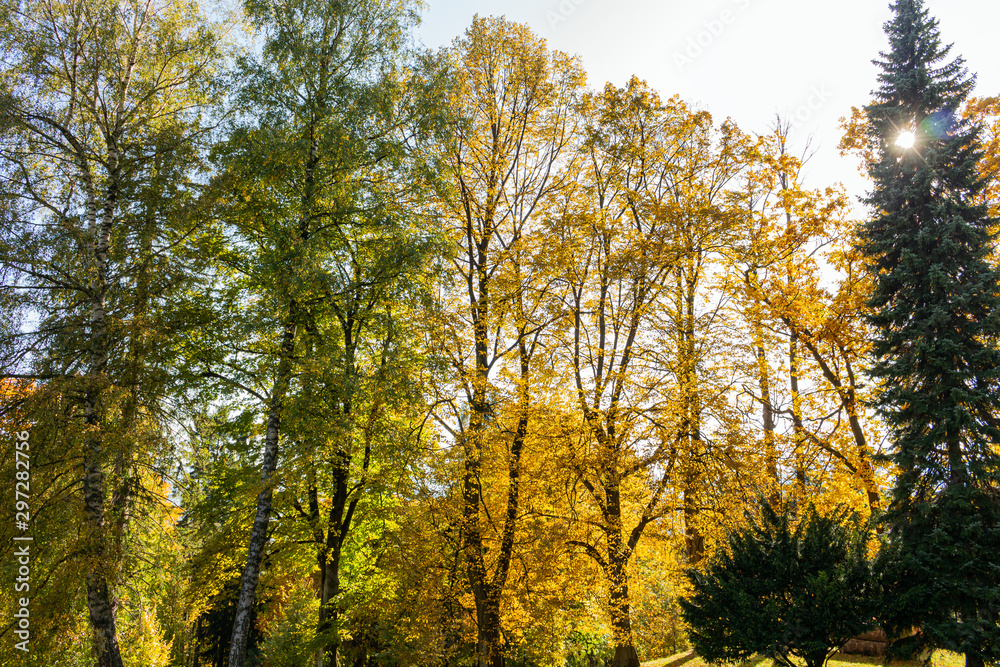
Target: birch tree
[
  {"x": 302, "y": 189},
  {"x": 104, "y": 112}
]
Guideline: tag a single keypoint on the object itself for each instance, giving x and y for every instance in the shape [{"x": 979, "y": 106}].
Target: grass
[{"x": 690, "y": 659}]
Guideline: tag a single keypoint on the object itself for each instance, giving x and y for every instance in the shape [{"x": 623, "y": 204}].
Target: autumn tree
[
  {"x": 694, "y": 188},
  {"x": 985, "y": 111},
  {"x": 797, "y": 281},
  {"x": 629, "y": 255},
  {"x": 935, "y": 312},
  {"x": 500, "y": 166},
  {"x": 103, "y": 113}
]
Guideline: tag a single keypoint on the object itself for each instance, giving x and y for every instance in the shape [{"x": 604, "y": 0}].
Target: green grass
[{"x": 689, "y": 659}]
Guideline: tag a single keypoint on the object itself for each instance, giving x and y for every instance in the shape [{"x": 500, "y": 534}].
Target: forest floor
[{"x": 690, "y": 659}]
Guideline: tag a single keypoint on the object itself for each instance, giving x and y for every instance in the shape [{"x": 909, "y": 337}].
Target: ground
[{"x": 689, "y": 659}]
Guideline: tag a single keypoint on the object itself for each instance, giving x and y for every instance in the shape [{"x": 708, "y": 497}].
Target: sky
[{"x": 809, "y": 60}]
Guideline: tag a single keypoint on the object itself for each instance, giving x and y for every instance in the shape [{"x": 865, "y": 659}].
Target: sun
[{"x": 905, "y": 139}]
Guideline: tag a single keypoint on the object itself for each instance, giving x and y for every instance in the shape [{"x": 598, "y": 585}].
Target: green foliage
[
  {"x": 936, "y": 300},
  {"x": 290, "y": 634},
  {"x": 936, "y": 309},
  {"x": 587, "y": 649},
  {"x": 366, "y": 258},
  {"x": 104, "y": 110},
  {"x": 783, "y": 589},
  {"x": 947, "y": 580}
]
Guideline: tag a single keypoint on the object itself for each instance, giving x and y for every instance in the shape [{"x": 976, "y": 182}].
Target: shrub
[{"x": 783, "y": 590}]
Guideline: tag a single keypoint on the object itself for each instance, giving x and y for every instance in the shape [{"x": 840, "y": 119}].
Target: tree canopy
[{"x": 319, "y": 347}]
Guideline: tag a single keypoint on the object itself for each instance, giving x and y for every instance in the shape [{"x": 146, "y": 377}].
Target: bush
[{"x": 782, "y": 590}]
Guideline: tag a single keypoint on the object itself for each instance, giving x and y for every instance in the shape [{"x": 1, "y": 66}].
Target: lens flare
[{"x": 905, "y": 139}]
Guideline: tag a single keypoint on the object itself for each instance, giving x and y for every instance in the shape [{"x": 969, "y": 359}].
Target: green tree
[
  {"x": 103, "y": 110},
  {"x": 936, "y": 302},
  {"x": 783, "y": 590},
  {"x": 315, "y": 256}
]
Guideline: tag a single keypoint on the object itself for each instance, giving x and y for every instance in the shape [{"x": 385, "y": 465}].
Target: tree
[
  {"x": 102, "y": 106},
  {"x": 985, "y": 111},
  {"x": 783, "y": 590},
  {"x": 779, "y": 288},
  {"x": 936, "y": 312},
  {"x": 633, "y": 244},
  {"x": 500, "y": 167},
  {"x": 309, "y": 186}
]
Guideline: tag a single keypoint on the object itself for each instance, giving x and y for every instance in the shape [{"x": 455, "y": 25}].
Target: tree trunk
[
  {"x": 328, "y": 612},
  {"x": 487, "y": 589},
  {"x": 489, "y": 644},
  {"x": 973, "y": 660},
  {"x": 487, "y": 614},
  {"x": 258, "y": 534},
  {"x": 343, "y": 507},
  {"x": 329, "y": 654},
  {"x": 196, "y": 657},
  {"x": 798, "y": 429},
  {"x": 101, "y": 607},
  {"x": 100, "y": 601},
  {"x": 621, "y": 612},
  {"x": 816, "y": 659},
  {"x": 690, "y": 408},
  {"x": 767, "y": 416}
]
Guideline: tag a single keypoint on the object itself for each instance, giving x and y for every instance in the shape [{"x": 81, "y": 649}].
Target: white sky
[{"x": 746, "y": 59}]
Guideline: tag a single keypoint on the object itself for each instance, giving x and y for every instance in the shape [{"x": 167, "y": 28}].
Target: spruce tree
[{"x": 936, "y": 305}]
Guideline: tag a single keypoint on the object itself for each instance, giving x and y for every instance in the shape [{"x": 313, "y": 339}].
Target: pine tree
[{"x": 936, "y": 304}]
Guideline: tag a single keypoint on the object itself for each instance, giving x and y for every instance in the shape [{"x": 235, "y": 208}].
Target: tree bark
[
  {"x": 621, "y": 611},
  {"x": 798, "y": 428},
  {"x": 283, "y": 375},
  {"x": 329, "y": 614},
  {"x": 767, "y": 416},
  {"x": 330, "y": 560},
  {"x": 487, "y": 588},
  {"x": 345, "y": 498},
  {"x": 101, "y": 603},
  {"x": 691, "y": 409},
  {"x": 258, "y": 534}
]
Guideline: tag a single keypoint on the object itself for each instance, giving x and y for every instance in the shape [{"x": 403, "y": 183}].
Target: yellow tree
[
  {"x": 500, "y": 166},
  {"x": 695, "y": 188},
  {"x": 795, "y": 273},
  {"x": 986, "y": 112},
  {"x": 633, "y": 240}
]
